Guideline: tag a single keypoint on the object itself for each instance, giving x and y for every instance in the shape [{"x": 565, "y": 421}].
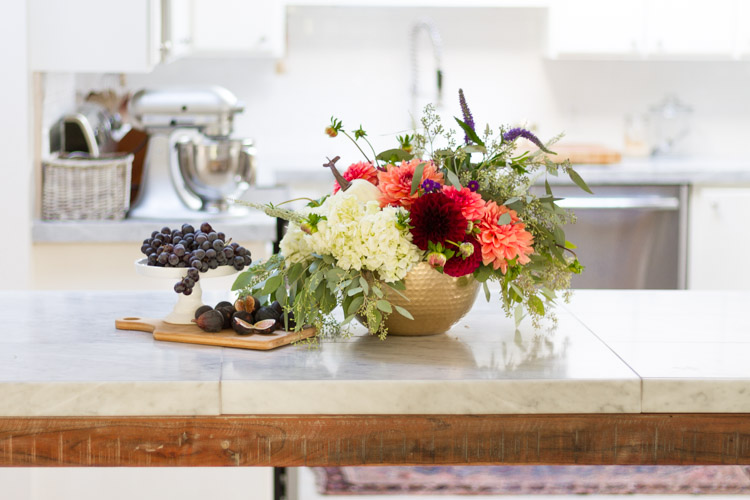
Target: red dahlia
[
  {"x": 458, "y": 266},
  {"x": 436, "y": 218}
]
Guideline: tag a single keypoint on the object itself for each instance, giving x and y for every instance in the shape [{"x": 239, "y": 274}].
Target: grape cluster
[{"x": 198, "y": 251}]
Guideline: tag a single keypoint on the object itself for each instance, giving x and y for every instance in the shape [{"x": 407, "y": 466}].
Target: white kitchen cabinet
[
  {"x": 238, "y": 28},
  {"x": 645, "y": 29},
  {"x": 105, "y": 37},
  {"x": 718, "y": 239},
  {"x": 679, "y": 28},
  {"x": 591, "y": 28}
]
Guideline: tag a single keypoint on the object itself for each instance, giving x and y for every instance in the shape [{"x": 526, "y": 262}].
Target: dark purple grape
[
  {"x": 228, "y": 252},
  {"x": 204, "y": 267},
  {"x": 206, "y": 245},
  {"x": 201, "y": 238},
  {"x": 248, "y": 259},
  {"x": 176, "y": 239},
  {"x": 240, "y": 251},
  {"x": 213, "y": 264},
  {"x": 199, "y": 254},
  {"x": 173, "y": 259},
  {"x": 189, "y": 282},
  {"x": 169, "y": 247},
  {"x": 188, "y": 291},
  {"x": 156, "y": 243},
  {"x": 238, "y": 261},
  {"x": 186, "y": 258},
  {"x": 166, "y": 230},
  {"x": 181, "y": 264},
  {"x": 221, "y": 236},
  {"x": 206, "y": 227},
  {"x": 234, "y": 245},
  {"x": 221, "y": 258},
  {"x": 154, "y": 233},
  {"x": 152, "y": 259},
  {"x": 162, "y": 258},
  {"x": 218, "y": 245},
  {"x": 179, "y": 287},
  {"x": 146, "y": 249},
  {"x": 179, "y": 250},
  {"x": 210, "y": 253},
  {"x": 193, "y": 273},
  {"x": 187, "y": 228},
  {"x": 212, "y": 236}
]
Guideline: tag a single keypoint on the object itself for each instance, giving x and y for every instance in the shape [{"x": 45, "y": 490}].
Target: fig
[
  {"x": 290, "y": 323},
  {"x": 201, "y": 310},
  {"x": 227, "y": 312},
  {"x": 241, "y": 326},
  {"x": 244, "y": 316},
  {"x": 267, "y": 312},
  {"x": 277, "y": 307},
  {"x": 223, "y": 303},
  {"x": 211, "y": 321},
  {"x": 265, "y": 326},
  {"x": 247, "y": 303}
]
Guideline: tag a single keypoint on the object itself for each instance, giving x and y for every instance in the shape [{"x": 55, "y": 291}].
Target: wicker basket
[{"x": 86, "y": 188}]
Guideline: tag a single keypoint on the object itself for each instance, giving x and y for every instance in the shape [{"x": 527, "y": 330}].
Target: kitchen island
[{"x": 627, "y": 377}]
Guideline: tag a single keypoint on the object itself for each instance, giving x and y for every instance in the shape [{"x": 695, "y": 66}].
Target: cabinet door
[
  {"x": 176, "y": 29},
  {"x": 596, "y": 28},
  {"x": 689, "y": 28},
  {"x": 718, "y": 239},
  {"x": 93, "y": 36},
  {"x": 238, "y": 27}
]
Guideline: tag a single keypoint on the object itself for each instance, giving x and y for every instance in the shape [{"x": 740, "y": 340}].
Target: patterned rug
[{"x": 533, "y": 480}]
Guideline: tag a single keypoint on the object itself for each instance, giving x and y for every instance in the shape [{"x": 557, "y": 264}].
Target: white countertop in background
[{"x": 613, "y": 352}]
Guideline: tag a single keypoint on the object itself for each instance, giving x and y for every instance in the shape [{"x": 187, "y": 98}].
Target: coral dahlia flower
[
  {"x": 362, "y": 170},
  {"x": 472, "y": 204},
  {"x": 436, "y": 218},
  {"x": 503, "y": 243},
  {"x": 395, "y": 182}
]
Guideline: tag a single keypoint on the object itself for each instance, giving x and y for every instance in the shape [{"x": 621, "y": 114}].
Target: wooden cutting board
[
  {"x": 585, "y": 154},
  {"x": 191, "y": 334}
]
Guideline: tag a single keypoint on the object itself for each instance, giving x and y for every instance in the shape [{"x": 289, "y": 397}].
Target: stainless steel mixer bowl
[{"x": 216, "y": 169}]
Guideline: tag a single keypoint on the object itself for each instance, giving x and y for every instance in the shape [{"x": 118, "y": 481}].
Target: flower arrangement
[{"x": 465, "y": 207}]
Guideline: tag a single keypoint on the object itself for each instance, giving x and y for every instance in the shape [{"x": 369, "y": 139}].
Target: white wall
[
  {"x": 354, "y": 63},
  {"x": 15, "y": 143}
]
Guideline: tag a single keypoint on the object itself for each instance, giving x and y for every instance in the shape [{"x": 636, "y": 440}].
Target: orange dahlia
[
  {"x": 472, "y": 204},
  {"x": 362, "y": 170},
  {"x": 503, "y": 243},
  {"x": 395, "y": 182}
]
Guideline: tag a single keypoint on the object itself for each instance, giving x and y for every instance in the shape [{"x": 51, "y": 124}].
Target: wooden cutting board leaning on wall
[{"x": 585, "y": 154}]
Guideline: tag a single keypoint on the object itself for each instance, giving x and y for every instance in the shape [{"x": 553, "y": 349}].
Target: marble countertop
[
  {"x": 612, "y": 352},
  {"x": 250, "y": 226}
]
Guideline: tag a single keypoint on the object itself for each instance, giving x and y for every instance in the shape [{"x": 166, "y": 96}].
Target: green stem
[
  {"x": 374, "y": 154},
  {"x": 355, "y": 143},
  {"x": 294, "y": 199}
]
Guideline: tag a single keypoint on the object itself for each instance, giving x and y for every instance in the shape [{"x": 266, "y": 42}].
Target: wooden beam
[{"x": 337, "y": 440}]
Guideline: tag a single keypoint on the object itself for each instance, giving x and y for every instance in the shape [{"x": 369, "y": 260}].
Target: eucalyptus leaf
[
  {"x": 403, "y": 312},
  {"x": 453, "y": 179},
  {"x": 486, "y": 291},
  {"x": 504, "y": 219},
  {"x": 516, "y": 293},
  {"x": 384, "y": 306},
  {"x": 377, "y": 291},
  {"x": 294, "y": 272},
  {"x": 242, "y": 281},
  {"x": 518, "y": 315},
  {"x": 482, "y": 273},
  {"x": 271, "y": 284},
  {"x": 536, "y": 305},
  {"x": 475, "y": 148},
  {"x": 354, "y": 291},
  {"x": 365, "y": 286},
  {"x": 354, "y": 305},
  {"x": 417, "y": 179},
  {"x": 559, "y": 235},
  {"x": 397, "y": 285},
  {"x": 547, "y": 187},
  {"x": 579, "y": 180},
  {"x": 392, "y": 155},
  {"x": 378, "y": 319}
]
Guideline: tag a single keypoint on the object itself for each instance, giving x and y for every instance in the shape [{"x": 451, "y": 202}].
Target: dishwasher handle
[{"x": 622, "y": 203}]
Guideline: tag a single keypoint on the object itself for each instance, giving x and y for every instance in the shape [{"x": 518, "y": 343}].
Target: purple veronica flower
[
  {"x": 473, "y": 186},
  {"x": 468, "y": 119},
  {"x": 514, "y": 133}
]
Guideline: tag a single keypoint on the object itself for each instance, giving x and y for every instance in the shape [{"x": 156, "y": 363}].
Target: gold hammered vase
[{"x": 437, "y": 301}]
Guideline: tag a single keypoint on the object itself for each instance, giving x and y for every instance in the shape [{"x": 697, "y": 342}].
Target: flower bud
[
  {"x": 466, "y": 249},
  {"x": 332, "y": 132},
  {"x": 308, "y": 228},
  {"x": 436, "y": 259},
  {"x": 469, "y": 226}
]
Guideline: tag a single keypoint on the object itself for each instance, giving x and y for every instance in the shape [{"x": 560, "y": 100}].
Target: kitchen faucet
[{"x": 437, "y": 50}]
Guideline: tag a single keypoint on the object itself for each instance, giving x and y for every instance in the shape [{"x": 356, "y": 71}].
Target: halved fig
[{"x": 265, "y": 326}]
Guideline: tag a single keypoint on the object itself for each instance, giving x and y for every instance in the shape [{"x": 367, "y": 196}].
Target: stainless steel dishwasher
[{"x": 629, "y": 236}]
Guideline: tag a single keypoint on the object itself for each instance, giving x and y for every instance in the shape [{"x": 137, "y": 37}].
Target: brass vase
[{"x": 437, "y": 301}]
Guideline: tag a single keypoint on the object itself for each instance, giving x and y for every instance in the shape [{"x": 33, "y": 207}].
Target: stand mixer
[{"x": 192, "y": 166}]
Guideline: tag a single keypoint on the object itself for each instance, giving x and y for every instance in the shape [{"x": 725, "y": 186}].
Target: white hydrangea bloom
[{"x": 358, "y": 235}]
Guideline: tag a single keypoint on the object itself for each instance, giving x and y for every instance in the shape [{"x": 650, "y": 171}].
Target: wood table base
[{"x": 335, "y": 440}]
